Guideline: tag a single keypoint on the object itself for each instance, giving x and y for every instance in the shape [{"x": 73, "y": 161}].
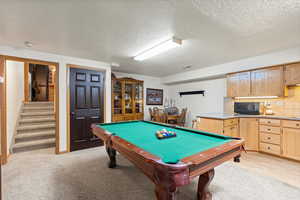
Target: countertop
[{"x": 230, "y": 116}]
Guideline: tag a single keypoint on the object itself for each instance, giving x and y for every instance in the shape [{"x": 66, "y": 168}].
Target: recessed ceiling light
[
  {"x": 158, "y": 49},
  {"x": 187, "y": 67},
  {"x": 28, "y": 44}
]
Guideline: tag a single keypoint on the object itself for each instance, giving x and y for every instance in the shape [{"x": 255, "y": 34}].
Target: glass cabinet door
[
  {"x": 128, "y": 97},
  {"x": 117, "y": 97},
  {"x": 138, "y": 98}
]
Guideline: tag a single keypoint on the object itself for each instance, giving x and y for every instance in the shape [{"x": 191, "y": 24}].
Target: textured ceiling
[
  {"x": 214, "y": 31},
  {"x": 252, "y": 16}
]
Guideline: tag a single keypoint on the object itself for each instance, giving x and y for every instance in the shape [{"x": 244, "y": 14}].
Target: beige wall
[
  {"x": 14, "y": 96},
  {"x": 211, "y": 102}
]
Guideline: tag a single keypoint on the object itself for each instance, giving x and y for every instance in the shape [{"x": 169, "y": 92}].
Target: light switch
[{"x": 1, "y": 79}]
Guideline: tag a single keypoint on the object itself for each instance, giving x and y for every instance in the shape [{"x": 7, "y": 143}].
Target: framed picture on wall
[{"x": 154, "y": 96}]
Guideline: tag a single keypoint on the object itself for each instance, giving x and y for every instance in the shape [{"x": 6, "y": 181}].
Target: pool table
[{"x": 172, "y": 162}]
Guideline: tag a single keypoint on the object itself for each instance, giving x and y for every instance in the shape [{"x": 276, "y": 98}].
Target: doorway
[
  {"x": 40, "y": 82},
  {"x": 29, "y": 118},
  {"x": 86, "y": 107}
]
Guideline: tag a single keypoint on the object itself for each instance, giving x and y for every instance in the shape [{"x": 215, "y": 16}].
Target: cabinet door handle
[
  {"x": 269, "y": 148},
  {"x": 269, "y": 122},
  {"x": 297, "y": 124},
  {"x": 269, "y": 129},
  {"x": 269, "y": 138}
]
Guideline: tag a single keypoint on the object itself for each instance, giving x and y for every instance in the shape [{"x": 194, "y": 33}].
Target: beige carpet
[{"x": 83, "y": 175}]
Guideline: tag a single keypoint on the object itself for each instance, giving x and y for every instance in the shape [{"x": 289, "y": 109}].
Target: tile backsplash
[{"x": 285, "y": 106}]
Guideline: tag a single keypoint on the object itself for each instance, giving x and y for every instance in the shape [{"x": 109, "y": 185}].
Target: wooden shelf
[{"x": 131, "y": 99}]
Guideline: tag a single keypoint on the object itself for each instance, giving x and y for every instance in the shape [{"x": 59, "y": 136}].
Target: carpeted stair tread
[
  {"x": 35, "y": 135},
  {"x": 41, "y": 126},
  {"x": 33, "y": 145},
  {"x": 39, "y": 103},
  {"x": 38, "y": 113},
  {"x": 35, "y": 128},
  {"x": 42, "y": 119},
  {"x": 31, "y": 108}
]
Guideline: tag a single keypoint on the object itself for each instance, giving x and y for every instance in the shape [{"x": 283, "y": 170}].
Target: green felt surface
[{"x": 170, "y": 150}]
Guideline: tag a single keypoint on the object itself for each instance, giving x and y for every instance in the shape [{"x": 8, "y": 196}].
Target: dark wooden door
[{"x": 86, "y": 107}]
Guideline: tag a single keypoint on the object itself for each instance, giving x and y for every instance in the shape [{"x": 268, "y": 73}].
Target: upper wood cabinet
[
  {"x": 239, "y": 84},
  {"x": 262, "y": 82},
  {"x": 267, "y": 82},
  {"x": 292, "y": 74}
]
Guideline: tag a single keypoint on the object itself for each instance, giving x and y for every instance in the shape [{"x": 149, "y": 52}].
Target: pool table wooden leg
[
  {"x": 204, "y": 181},
  {"x": 112, "y": 157},
  {"x": 163, "y": 193},
  {"x": 237, "y": 159}
]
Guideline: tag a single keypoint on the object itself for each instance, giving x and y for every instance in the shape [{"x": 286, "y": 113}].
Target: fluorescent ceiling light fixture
[
  {"x": 257, "y": 97},
  {"x": 158, "y": 49}
]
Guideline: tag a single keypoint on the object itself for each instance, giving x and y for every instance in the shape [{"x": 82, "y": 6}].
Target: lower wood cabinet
[
  {"x": 210, "y": 125},
  {"x": 228, "y": 127},
  {"x": 249, "y": 132},
  {"x": 291, "y": 143},
  {"x": 232, "y": 131},
  {"x": 272, "y": 136}
]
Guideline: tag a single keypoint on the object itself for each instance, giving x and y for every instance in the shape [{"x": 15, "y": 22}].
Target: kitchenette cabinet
[
  {"x": 267, "y": 82},
  {"x": 249, "y": 132},
  {"x": 292, "y": 74},
  {"x": 270, "y": 136},
  {"x": 276, "y": 136},
  {"x": 291, "y": 139},
  {"x": 228, "y": 127},
  {"x": 239, "y": 84},
  {"x": 261, "y": 82}
]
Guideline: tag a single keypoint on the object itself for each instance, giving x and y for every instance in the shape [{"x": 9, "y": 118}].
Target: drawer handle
[
  {"x": 269, "y": 138},
  {"x": 297, "y": 124},
  {"x": 269, "y": 122},
  {"x": 269, "y": 129},
  {"x": 269, "y": 148}
]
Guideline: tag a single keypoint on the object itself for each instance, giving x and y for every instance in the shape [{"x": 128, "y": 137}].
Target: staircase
[{"x": 35, "y": 128}]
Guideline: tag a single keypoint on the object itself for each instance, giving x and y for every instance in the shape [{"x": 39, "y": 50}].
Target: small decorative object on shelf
[{"x": 163, "y": 134}]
